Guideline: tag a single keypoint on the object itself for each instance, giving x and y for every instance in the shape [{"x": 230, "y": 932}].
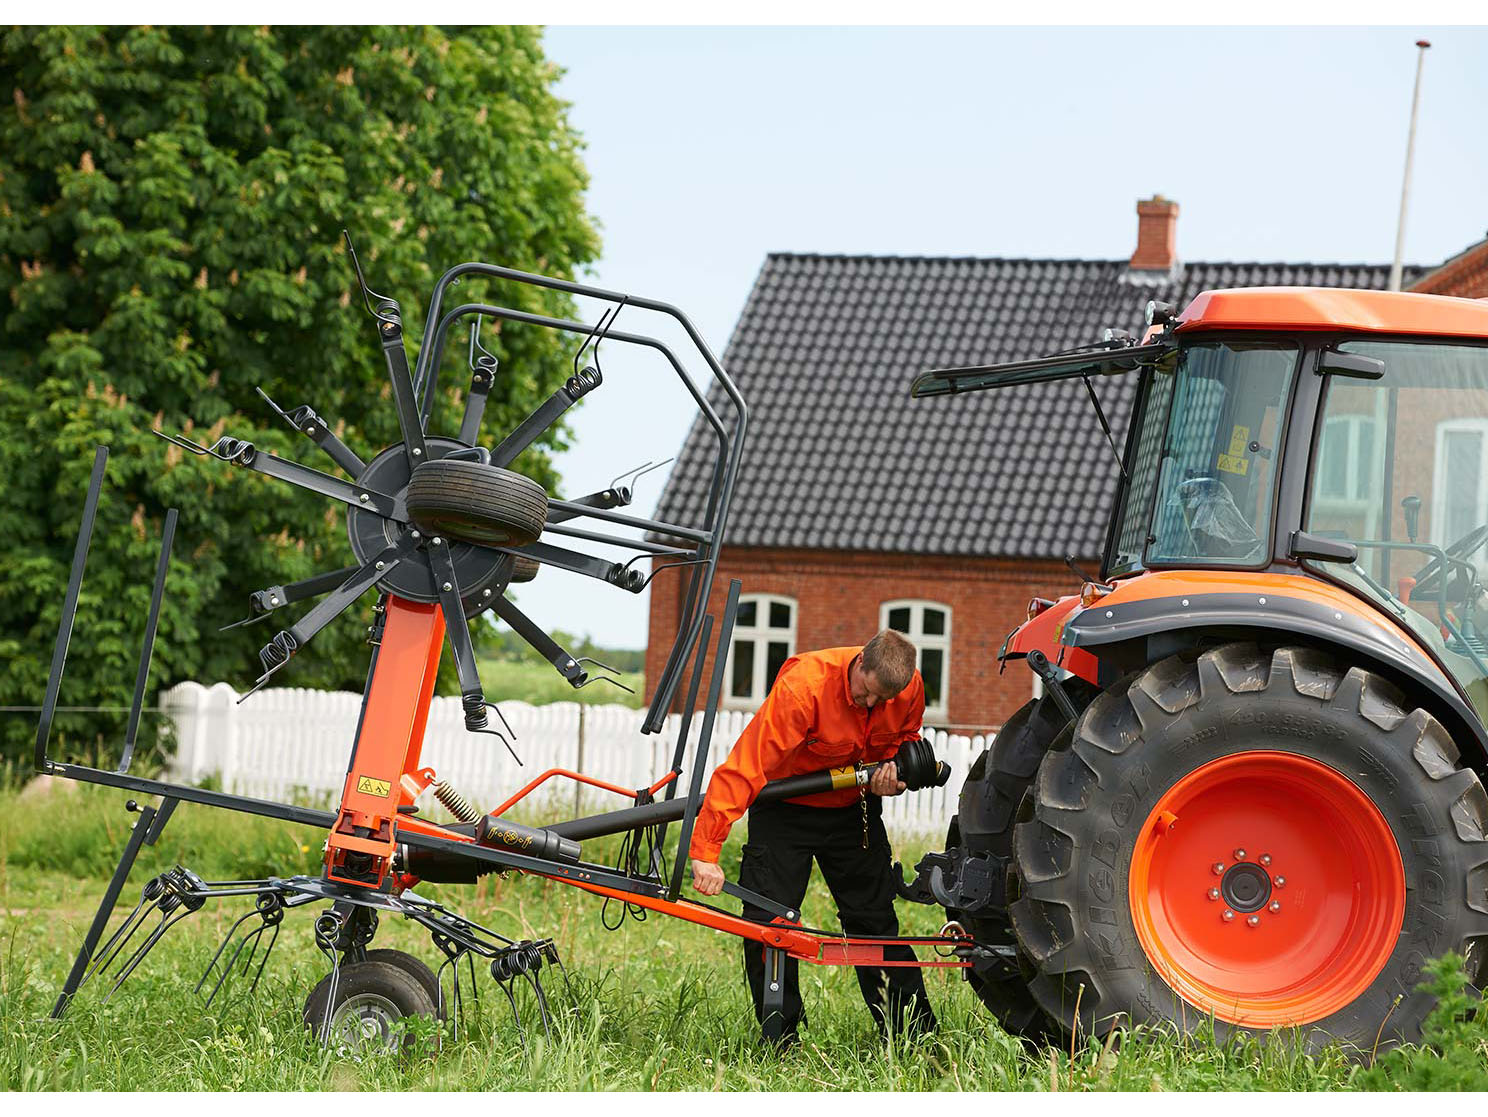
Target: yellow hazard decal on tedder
[
  {"x": 1235, "y": 461},
  {"x": 368, "y": 786}
]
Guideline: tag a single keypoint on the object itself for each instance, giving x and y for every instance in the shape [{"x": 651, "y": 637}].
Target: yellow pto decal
[{"x": 368, "y": 786}]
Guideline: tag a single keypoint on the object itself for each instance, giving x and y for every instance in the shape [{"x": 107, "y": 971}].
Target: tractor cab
[{"x": 1342, "y": 432}]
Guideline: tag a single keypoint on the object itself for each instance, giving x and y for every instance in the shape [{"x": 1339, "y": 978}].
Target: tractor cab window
[
  {"x": 1400, "y": 469},
  {"x": 1213, "y": 453}
]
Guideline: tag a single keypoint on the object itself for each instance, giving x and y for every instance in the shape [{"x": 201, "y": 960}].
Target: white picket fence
[{"x": 293, "y": 744}]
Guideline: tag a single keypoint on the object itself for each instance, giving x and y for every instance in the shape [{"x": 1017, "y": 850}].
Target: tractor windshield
[
  {"x": 1203, "y": 475},
  {"x": 1400, "y": 469}
]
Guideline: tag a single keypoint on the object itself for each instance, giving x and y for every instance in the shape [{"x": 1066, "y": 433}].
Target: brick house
[{"x": 858, "y": 508}]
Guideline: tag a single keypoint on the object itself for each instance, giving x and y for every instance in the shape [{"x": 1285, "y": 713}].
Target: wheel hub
[{"x": 1246, "y": 887}]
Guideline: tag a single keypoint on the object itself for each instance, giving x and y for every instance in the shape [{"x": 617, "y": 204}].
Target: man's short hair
[{"x": 891, "y": 658}]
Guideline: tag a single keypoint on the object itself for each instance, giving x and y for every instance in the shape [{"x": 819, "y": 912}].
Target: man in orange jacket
[{"x": 826, "y": 709}]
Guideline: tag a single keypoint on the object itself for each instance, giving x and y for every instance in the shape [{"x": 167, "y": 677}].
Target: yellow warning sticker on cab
[
  {"x": 368, "y": 786},
  {"x": 1230, "y": 463}
]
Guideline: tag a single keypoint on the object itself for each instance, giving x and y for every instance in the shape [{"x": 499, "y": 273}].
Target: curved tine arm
[
  {"x": 304, "y": 420},
  {"x": 567, "y": 326}
]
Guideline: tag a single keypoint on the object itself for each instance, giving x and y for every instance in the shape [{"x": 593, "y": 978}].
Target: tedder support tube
[{"x": 918, "y": 768}]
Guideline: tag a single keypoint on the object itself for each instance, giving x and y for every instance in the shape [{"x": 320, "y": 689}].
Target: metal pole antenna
[{"x": 1410, "y": 151}]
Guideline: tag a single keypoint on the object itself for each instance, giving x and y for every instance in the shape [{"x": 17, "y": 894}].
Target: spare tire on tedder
[{"x": 1261, "y": 838}]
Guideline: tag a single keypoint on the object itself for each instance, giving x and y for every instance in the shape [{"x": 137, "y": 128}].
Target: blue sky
[{"x": 709, "y": 148}]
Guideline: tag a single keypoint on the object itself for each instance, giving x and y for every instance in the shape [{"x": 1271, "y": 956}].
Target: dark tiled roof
[{"x": 839, "y": 457}]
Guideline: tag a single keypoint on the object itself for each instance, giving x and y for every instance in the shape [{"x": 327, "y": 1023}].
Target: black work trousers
[{"x": 783, "y": 840}]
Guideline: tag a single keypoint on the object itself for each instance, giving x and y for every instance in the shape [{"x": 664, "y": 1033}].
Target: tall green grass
[{"x": 655, "y": 1005}]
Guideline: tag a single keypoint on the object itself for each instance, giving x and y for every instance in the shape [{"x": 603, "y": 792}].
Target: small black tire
[
  {"x": 1235, "y": 709},
  {"x": 526, "y": 569},
  {"x": 370, "y": 998},
  {"x": 995, "y": 788},
  {"x": 475, "y": 503},
  {"x": 415, "y": 966}
]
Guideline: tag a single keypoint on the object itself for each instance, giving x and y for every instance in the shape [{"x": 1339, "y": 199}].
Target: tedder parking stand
[{"x": 440, "y": 526}]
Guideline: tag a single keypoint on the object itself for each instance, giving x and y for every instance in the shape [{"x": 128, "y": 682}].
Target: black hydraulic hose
[{"x": 918, "y": 768}]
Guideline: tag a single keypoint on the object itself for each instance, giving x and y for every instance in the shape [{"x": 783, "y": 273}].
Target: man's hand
[
  {"x": 707, "y": 878},
  {"x": 884, "y": 781}
]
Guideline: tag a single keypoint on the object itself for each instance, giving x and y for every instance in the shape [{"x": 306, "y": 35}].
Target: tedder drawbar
[{"x": 440, "y": 527}]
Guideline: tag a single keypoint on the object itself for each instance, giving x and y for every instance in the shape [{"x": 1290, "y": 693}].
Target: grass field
[
  {"x": 655, "y": 1005},
  {"x": 509, "y": 680}
]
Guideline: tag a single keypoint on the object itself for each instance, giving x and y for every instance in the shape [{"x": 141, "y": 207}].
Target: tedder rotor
[
  {"x": 440, "y": 527},
  {"x": 1251, "y": 791}
]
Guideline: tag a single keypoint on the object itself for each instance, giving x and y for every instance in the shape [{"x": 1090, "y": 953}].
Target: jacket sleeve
[{"x": 782, "y": 723}]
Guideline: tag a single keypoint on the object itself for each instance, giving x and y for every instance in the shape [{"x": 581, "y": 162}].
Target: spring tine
[
  {"x": 542, "y": 1002},
  {"x": 325, "y": 1025},
  {"x": 227, "y": 938},
  {"x": 145, "y": 947},
  {"x": 102, "y": 958},
  {"x": 474, "y": 985},
  {"x": 106, "y": 958},
  {"x": 273, "y": 938},
  {"x": 516, "y": 1016}
]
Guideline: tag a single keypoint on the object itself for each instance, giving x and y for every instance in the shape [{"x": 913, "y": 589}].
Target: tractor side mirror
[
  {"x": 1411, "y": 506},
  {"x": 1350, "y": 364}
]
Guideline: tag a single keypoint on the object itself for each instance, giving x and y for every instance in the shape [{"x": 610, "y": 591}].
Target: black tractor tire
[
  {"x": 996, "y": 785},
  {"x": 476, "y": 503},
  {"x": 1231, "y": 710},
  {"x": 526, "y": 569},
  {"x": 370, "y": 997},
  {"x": 414, "y": 966}
]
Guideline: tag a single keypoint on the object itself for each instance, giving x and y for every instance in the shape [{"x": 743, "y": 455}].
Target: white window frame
[
  {"x": 916, "y": 636},
  {"x": 1478, "y": 426},
  {"x": 761, "y": 635}
]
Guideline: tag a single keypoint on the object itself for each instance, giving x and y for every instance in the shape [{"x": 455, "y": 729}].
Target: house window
[
  {"x": 927, "y": 624},
  {"x": 1460, "y": 486},
  {"x": 764, "y": 638},
  {"x": 1345, "y": 495}
]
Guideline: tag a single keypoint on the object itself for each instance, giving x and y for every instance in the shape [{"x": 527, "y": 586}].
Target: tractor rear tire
[
  {"x": 995, "y": 788},
  {"x": 476, "y": 503},
  {"x": 371, "y": 998},
  {"x": 1264, "y": 838}
]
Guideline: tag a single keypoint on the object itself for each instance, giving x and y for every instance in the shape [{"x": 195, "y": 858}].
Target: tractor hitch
[{"x": 969, "y": 883}]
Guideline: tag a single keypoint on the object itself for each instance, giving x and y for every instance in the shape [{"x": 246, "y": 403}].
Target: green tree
[{"x": 171, "y": 204}]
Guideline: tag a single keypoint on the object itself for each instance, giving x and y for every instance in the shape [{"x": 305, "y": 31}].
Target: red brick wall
[
  {"x": 1465, "y": 276},
  {"x": 838, "y": 595}
]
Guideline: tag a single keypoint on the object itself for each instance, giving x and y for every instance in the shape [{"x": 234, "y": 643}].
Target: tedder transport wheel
[
  {"x": 1265, "y": 837},
  {"x": 995, "y": 787},
  {"x": 371, "y": 997},
  {"x": 415, "y": 967},
  {"x": 477, "y": 503}
]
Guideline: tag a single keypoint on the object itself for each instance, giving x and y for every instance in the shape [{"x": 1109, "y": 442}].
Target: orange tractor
[{"x": 1250, "y": 791}]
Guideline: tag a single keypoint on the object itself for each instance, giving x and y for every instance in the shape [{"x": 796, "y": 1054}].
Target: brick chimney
[{"x": 1157, "y": 235}]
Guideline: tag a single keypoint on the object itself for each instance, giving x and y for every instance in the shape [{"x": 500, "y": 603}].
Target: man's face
[{"x": 865, "y": 688}]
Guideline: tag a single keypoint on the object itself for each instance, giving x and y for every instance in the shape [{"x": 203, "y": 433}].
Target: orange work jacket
[{"x": 806, "y": 723}]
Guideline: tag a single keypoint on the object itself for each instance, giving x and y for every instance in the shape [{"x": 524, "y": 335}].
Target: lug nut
[
  {"x": 1214, "y": 893},
  {"x": 1239, "y": 855},
  {"x": 1228, "y": 915},
  {"x": 1254, "y": 921},
  {"x": 1280, "y": 882},
  {"x": 1265, "y": 859},
  {"x": 1218, "y": 868},
  {"x": 1274, "y": 906}
]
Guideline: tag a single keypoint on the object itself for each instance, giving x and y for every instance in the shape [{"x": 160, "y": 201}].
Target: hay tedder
[
  {"x": 1250, "y": 792},
  {"x": 440, "y": 528}
]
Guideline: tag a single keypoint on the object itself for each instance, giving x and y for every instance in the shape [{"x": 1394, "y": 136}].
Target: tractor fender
[
  {"x": 1168, "y": 602},
  {"x": 1043, "y": 633}
]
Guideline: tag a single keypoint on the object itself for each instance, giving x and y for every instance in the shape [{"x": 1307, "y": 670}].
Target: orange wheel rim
[{"x": 1267, "y": 888}]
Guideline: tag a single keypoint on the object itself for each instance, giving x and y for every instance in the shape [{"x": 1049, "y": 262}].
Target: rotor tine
[
  {"x": 325, "y": 1025},
  {"x": 227, "y": 938},
  {"x": 144, "y": 948},
  {"x": 542, "y": 1002},
  {"x": 516, "y": 1016},
  {"x": 245, "y": 621},
  {"x": 273, "y": 938},
  {"x": 183, "y": 443},
  {"x": 102, "y": 958},
  {"x": 474, "y": 985},
  {"x": 367, "y": 292},
  {"x": 509, "y": 729}
]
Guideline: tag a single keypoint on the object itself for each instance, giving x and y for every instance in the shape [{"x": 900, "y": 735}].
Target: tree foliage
[{"x": 171, "y": 205}]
